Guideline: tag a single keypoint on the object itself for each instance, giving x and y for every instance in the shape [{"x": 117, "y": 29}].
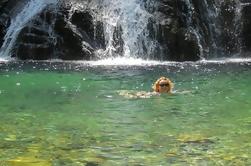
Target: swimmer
[{"x": 162, "y": 86}]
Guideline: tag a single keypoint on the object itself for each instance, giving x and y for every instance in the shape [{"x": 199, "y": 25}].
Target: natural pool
[{"x": 56, "y": 114}]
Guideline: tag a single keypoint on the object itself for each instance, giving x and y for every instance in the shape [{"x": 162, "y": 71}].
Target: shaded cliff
[{"x": 179, "y": 30}]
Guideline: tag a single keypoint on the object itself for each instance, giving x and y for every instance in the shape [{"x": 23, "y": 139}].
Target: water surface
[{"x": 54, "y": 113}]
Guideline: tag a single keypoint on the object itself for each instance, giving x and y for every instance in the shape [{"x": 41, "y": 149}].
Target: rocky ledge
[{"x": 183, "y": 30}]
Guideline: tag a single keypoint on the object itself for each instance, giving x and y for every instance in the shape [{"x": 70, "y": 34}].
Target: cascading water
[
  {"x": 193, "y": 29},
  {"x": 238, "y": 28},
  {"x": 168, "y": 30},
  {"x": 30, "y": 10},
  {"x": 211, "y": 15},
  {"x": 224, "y": 26},
  {"x": 126, "y": 21},
  {"x": 131, "y": 18}
]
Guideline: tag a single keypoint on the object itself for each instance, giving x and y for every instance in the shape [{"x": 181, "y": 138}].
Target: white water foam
[
  {"x": 3, "y": 60},
  {"x": 226, "y": 60},
  {"x": 245, "y": 4},
  {"x": 124, "y": 61},
  {"x": 31, "y": 9}
]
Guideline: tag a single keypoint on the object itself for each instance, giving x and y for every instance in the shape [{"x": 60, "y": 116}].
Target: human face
[{"x": 164, "y": 86}]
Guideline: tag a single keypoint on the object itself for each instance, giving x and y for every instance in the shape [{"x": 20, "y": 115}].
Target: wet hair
[{"x": 156, "y": 85}]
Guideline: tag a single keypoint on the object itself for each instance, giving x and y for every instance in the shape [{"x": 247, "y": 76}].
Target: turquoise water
[{"x": 71, "y": 114}]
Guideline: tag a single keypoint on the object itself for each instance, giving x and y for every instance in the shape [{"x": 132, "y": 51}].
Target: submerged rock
[
  {"x": 193, "y": 138},
  {"x": 28, "y": 161}
]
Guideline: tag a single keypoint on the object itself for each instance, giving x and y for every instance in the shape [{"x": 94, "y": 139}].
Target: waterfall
[
  {"x": 30, "y": 10},
  {"x": 212, "y": 12},
  {"x": 194, "y": 29},
  {"x": 147, "y": 29},
  {"x": 215, "y": 26},
  {"x": 125, "y": 25},
  {"x": 238, "y": 27},
  {"x": 225, "y": 32}
]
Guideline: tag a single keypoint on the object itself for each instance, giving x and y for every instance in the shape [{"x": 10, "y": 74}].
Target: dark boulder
[
  {"x": 227, "y": 40},
  {"x": 54, "y": 35},
  {"x": 9, "y": 9},
  {"x": 4, "y": 19},
  {"x": 184, "y": 46},
  {"x": 92, "y": 32},
  {"x": 4, "y": 24},
  {"x": 170, "y": 28},
  {"x": 36, "y": 40},
  {"x": 33, "y": 43},
  {"x": 69, "y": 44},
  {"x": 246, "y": 33}
]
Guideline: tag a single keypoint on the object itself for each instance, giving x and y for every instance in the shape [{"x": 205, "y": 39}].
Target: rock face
[
  {"x": 191, "y": 29},
  {"x": 170, "y": 28},
  {"x": 246, "y": 33},
  {"x": 4, "y": 19},
  {"x": 182, "y": 30},
  {"x": 54, "y": 35}
]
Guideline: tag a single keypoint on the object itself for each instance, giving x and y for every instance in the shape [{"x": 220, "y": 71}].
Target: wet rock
[
  {"x": 2, "y": 2},
  {"x": 8, "y": 10},
  {"x": 186, "y": 47},
  {"x": 214, "y": 28},
  {"x": 118, "y": 42},
  {"x": 33, "y": 43},
  {"x": 246, "y": 34},
  {"x": 4, "y": 19},
  {"x": 84, "y": 21},
  {"x": 227, "y": 25},
  {"x": 170, "y": 29},
  {"x": 69, "y": 44},
  {"x": 183, "y": 30},
  {"x": 4, "y": 23},
  {"x": 52, "y": 35}
]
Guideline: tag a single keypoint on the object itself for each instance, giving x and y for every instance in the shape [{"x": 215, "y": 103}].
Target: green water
[{"x": 71, "y": 114}]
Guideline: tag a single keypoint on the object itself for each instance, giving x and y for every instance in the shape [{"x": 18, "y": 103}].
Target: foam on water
[
  {"x": 123, "y": 61},
  {"x": 226, "y": 60},
  {"x": 3, "y": 60},
  {"x": 6, "y": 59}
]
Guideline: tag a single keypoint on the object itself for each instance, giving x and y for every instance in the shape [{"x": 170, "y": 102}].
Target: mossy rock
[{"x": 193, "y": 138}]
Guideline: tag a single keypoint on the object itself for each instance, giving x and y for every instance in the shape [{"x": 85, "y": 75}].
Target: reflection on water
[{"x": 71, "y": 114}]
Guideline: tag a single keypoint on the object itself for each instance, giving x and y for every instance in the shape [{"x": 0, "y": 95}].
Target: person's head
[{"x": 163, "y": 85}]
